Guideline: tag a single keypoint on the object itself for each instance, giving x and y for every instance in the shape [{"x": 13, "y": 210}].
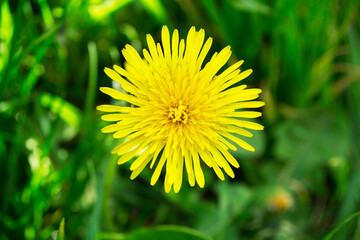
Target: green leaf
[
  {"x": 251, "y": 6},
  {"x": 98, "y": 12},
  {"x": 233, "y": 200},
  {"x": 46, "y": 13},
  {"x": 166, "y": 233},
  {"x": 36, "y": 43},
  {"x": 93, "y": 76},
  {"x": 155, "y": 8},
  {"x": 313, "y": 138},
  {"x": 340, "y": 168},
  {"x": 6, "y": 33},
  {"x": 158, "y": 233},
  {"x": 308, "y": 142},
  {"x": 341, "y": 225},
  {"x": 65, "y": 110},
  {"x": 37, "y": 70},
  {"x": 61, "y": 231}
]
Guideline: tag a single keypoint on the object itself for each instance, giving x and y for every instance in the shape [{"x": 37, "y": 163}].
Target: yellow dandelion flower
[
  {"x": 181, "y": 114},
  {"x": 280, "y": 201}
]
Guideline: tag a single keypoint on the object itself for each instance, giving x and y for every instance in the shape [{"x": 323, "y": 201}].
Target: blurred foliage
[{"x": 60, "y": 182}]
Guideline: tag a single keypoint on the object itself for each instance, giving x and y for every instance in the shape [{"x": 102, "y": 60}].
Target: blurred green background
[{"x": 59, "y": 180}]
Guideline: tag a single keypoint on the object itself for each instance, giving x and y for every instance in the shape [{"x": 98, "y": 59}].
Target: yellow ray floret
[{"x": 183, "y": 113}]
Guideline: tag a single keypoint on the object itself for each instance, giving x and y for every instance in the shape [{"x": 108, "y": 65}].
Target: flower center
[{"x": 179, "y": 113}]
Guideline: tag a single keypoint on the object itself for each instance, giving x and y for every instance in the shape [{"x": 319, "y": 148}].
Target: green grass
[{"x": 61, "y": 182}]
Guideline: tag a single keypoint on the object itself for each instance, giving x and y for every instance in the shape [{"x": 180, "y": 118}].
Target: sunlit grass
[{"x": 301, "y": 184}]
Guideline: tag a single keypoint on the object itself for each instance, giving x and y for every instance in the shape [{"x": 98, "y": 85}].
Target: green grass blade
[
  {"x": 98, "y": 12},
  {"x": 251, "y": 6},
  {"x": 61, "y": 230},
  {"x": 93, "y": 76},
  {"x": 155, "y": 8},
  {"x": 46, "y": 13},
  {"x": 6, "y": 33},
  {"x": 67, "y": 111},
  {"x": 341, "y": 225}
]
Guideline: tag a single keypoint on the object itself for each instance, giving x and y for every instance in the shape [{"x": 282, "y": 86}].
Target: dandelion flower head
[{"x": 180, "y": 112}]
